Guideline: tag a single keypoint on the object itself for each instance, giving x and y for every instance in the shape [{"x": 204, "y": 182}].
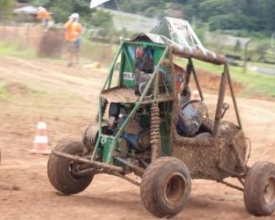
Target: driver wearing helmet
[{"x": 190, "y": 116}]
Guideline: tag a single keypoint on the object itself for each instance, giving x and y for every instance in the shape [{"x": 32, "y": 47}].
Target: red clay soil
[{"x": 66, "y": 99}]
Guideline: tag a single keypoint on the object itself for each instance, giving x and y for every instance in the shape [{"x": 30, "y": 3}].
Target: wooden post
[{"x": 245, "y": 55}]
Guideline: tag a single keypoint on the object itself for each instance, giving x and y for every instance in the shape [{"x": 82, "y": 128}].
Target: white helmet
[{"x": 74, "y": 15}]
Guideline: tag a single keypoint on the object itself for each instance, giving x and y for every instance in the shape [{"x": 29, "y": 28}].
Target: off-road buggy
[{"x": 135, "y": 133}]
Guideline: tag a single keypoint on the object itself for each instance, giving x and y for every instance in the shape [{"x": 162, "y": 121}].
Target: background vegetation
[
  {"x": 253, "y": 19},
  {"x": 243, "y": 16}
]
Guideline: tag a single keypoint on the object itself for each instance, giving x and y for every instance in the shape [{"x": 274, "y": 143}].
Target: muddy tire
[
  {"x": 60, "y": 170},
  {"x": 259, "y": 189},
  {"x": 165, "y": 187},
  {"x": 90, "y": 137}
]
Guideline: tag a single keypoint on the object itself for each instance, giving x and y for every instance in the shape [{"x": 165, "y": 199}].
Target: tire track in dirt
[{"x": 27, "y": 73}]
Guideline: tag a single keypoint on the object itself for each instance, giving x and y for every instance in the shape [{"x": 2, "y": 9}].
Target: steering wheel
[{"x": 191, "y": 101}]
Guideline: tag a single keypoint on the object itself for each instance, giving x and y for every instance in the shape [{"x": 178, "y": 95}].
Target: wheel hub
[
  {"x": 270, "y": 190},
  {"x": 175, "y": 189}
]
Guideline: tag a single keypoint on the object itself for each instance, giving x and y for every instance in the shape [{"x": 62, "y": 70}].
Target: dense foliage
[
  {"x": 250, "y": 15},
  {"x": 247, "y": 15},
  {"x": 5, "y": 8}
]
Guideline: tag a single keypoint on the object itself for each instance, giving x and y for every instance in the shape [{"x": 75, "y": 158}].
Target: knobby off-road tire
[
  {"x": 60, "y": 169},
  {"x": 259, "y": 189},
  {"x": 165, "y": 187}
]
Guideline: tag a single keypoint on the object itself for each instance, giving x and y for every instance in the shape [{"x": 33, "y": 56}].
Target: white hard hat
[
  {"x": 195, "y": 94},
  {"x": 74, "y": 15}
]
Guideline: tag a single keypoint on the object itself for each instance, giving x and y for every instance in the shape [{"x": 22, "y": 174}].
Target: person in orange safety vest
[
  {"x": 43, "y": 15},
  {"x": 73, "y": 30}
]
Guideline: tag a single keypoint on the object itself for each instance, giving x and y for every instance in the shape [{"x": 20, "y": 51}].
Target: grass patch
[
  {"x": 3, "y": 91},
  {"x": 7, "y": 49},
  {"x": 255, "y": 83},
  {"x": 98, "y": 51},
  {"x": 261, "y": 65}
]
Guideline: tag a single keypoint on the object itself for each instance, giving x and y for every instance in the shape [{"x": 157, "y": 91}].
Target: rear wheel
[
  {"x": 259, "y": 189},
  {"x": 61, "y": 171},
  {"x": 165, "y": 187}
]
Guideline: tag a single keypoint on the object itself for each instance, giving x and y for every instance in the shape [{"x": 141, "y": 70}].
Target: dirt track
[{"x": 66, "y": 99}]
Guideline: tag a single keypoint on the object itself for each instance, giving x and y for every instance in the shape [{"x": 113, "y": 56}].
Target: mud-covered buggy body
[
  {"x": 137, "y": 123},
  {"x": 135, "y": 132}
]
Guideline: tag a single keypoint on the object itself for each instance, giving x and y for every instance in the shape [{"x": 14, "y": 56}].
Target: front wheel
[
  {"x": 61, "y": 170},
  {"x": 165, "y": 187},
  {"x": 259, "y": 189}
]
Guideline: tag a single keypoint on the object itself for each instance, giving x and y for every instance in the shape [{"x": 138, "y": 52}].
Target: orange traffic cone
[{"x": 41, "y": 140}]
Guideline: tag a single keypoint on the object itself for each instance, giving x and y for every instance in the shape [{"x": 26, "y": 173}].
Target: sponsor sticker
[{"x": 128, "y": 76}]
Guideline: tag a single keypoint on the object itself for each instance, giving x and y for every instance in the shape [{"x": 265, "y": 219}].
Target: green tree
[
  {"x": 211, "y": 8},
  {"x": 245, "y": 15},
  {"x": 44, "y": 3},
  {"x": 267, "y": 15},
  {"x": 102, "y": 19},
  {"x": 6, "y": 8},
  {"x": 82, "y": 7},
  {"x": 62, "y": 9}
]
